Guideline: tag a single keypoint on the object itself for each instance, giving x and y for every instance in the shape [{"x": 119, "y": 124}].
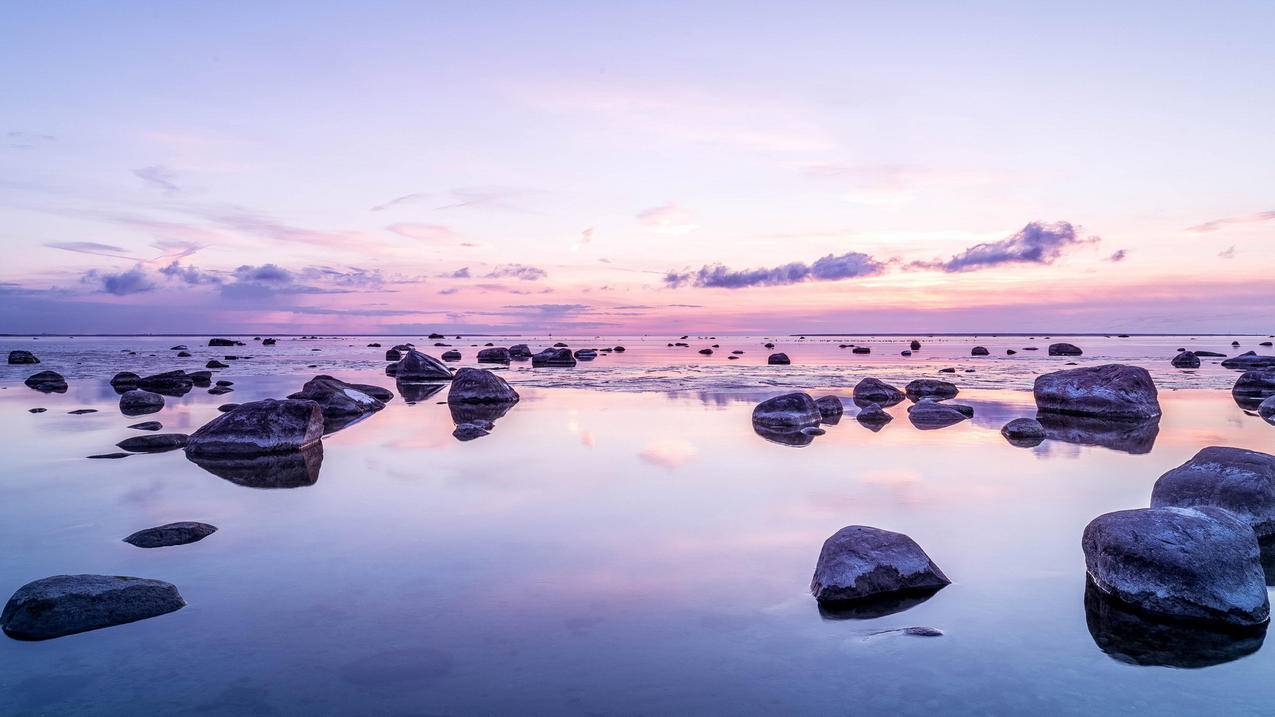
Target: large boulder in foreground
[
  {"x": 138, "y": 402},
  {"x": 342, "y": 403},
  {"x": 556, "y": 356},
  {"x": 789, "y": 412},
  {"x": 1064, "y": 349},
  {"x": 1111, "y": 391},
  {"x": 1198, "y": 564},
  {"x": 22, "y": 357},
  {"x": 47, "y": 382},
  {"x": 164, "y": 536},
  {"x": 860, "y": 562},
  {"x": 1237, "y": 480},
  {"x": 476, "y": 385},
  {"x": 67, "y": 604},
  {"x": 930, "y": 388},
  {"x": 871, "y": 390},
  {"x": 1258, "y": 383},
  {"x": 416, "y": 366},
  {"x": 267, "y": 426}
]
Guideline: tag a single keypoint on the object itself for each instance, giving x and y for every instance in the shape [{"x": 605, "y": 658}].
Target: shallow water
[{"x": 634, "y": 551}]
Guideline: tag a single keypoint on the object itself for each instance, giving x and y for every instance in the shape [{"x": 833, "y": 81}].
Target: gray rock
[
  {"x": 1266, "y": 409},
  {"x": 830, "y": 409},
  {"x": 469, "y": 431},
  {"x": 861, "y": 350},
  {"x": 1186, "y": 359},
  {"x": 859, "y": 562},
  {"x": 1199, "y": 564},
  {"x": 1024, "y": 432},
  {"x": 267, "y": 426},
  {"x": 147, "y": 426},
  {"x": 930, "y": 414},
  {"x": 171, "y": 534},
  {"x": 476, "y": 385},
  {"x": 979, "y": 351},
  {"x": 138, "y": 402},
  {"x": 519, "y": 351},
  {"x": 22, "y": 357},
  {"x": 1249, "y": 360},
  {"x": 1063, "y": 349},
  {"x": 1257, "y": 383},
  {"x": 930, "y": 388},
  {"x": 342, "y": 403},
  {"x": 156, "y": 443},
  {"x": 494, "y": 355},
  {"x": 416, "y": 366},
  {"x": 871, "y": 390},
  {"x": 451, "y": 356},
  {"x": 778, "y": 359},
  {"x": 170, "y": 383},
  {"x": 1237, "y": 480},
  {"x": 1110, "y": 391},
  {"x": 47, "y": 382},
  {"x": 36, "y": 410},
  {"x": 554, "y": 357},
  {"x": 220, "y": 390},
  {"x": 68, "y": 604},
  {"x": 789, "y": 412}
]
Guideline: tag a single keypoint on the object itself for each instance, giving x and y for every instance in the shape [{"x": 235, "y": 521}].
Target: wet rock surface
[
  {"x": 68, "y": 604},
  {"x": 163, "y": 536},
  {"x": 1111, "y": 391},
  {"x": 1234, "y": 479},
  {"x": 267, "y": 426},
  {"x": 860, "y": 562}
]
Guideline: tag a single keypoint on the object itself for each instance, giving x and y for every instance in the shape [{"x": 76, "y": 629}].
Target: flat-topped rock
[
  {"x": 930, "y": 388},
  {"x": 1238, "y": 480},
  {"x": 155, "y": 443},
  {"x": 1064, "y": 349},
  {"x": 519, "y": 351},
  {"x": 860, "y": 562},
  {"x": 559, "y": 357},
  {"x": 68, "y": 604},
  {"x": 47, "y": 382},
  {"x": 777, "y": 359},
  {"x": 171, "y": 534},
  {"x": 1200, "y": 564},
  {"x": 1111, "y": 391},
  {"x": 342, "y": 402},
  {"x": 1249, "y": 360},
  {"x": 267, "y": 426}
]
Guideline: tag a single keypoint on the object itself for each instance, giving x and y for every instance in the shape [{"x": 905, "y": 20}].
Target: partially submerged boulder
[
  {"x": 873, "y": 417},
  {"x": 171, "y": 534},
  {"x": 68, "y": 604},
  {"x": 1064, "y": 349},
  {"x": 871, "y": 390},
  {"x": 1249, "y": 360},
  {"x": 124, "y": 381},
  {"x": 778, "y": 359},
  {"x": 416, "y": 366},
  {"x": 930, "y": 388},
  {"x": 496, "y": 354},
  {"x": 267, "y": 426},
  {"x": 1111, "y": 391},
  {"x": 1198, "y": 564},
  {"x": 1234, "y": 479},
  {"x": 929, "y": 414},
  {"x": 169, "y": 383},
  {"x": 1186, "y": 359},
  {"x": 1258, "y": 383},
  {"x": 789, "y": 412},
  {"x": 830, "y": 409},
  {"x": 476, "y": 385},
  {"x": 452, "y": 355},
  {"x": 860, "y": 562},
  {"x": 138, "y": 402},
  {"x": 22, "y": 357},
  {"x": 1024, "y": 432},
  {"x": 342, "y": 403},
  {"x": 47, "y": 382},
  {"x": 519, "y": 352},
  {"x": 554, "y": 357},
  {"x": 154, "y": 443}
]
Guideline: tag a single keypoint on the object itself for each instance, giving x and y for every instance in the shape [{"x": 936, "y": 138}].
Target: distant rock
[
  {"x": 519, "y": 352},
  {"x": 47, "y": 382},
  {"x": 830, "y": 409},
  {"x": 929, "y": 414},
  {"x": 22, "y": 357},
  {"x": 905, "y": 352},
  {"x": 36, "y": 410},
  {"x": 559, "y": 345},
  {"x": 68, "y": 604},
  {"x": 179, "y": 347},
  {"x": 183, "y": 354},
  {"x": 138, "y": 402},
  {"x": 1185, "y": 563},
  {"x": 706, "y": 352},
  {"x": 393, "y": 354},
  {"x": 164, "y": 536},
  {"x": 147, "y": 426},
  {"x": 224, "y": 342},
  {"x": 214, "y": 363},
  {"x": 1063, "y": 349},
  {"x": 1024, "y": 432},
  {"x": 554, "y": 357},
  {"x": 872, "y": 390},
  {"x": 861, "y": 350},
  {"x": 860, "y": 562},
  {"x": 156, "y": 443},
  {"x": 342, "y": 403},
  {"x": 82, "y": 411},
  {"x": 475, "y": 385},
  {"x": 1110, "y": 391},
  {"x": 789, "y": 412},
  {"x": 1186, "y": 359},
  {"x": 979, "y": 351},
  {"x": 451, "y": 356},
  {"x": 497, "y": 354},
  {"x": 621, "y": 349},
  {"x": 947, "y": 370},
  {"x": 589, "y": 354},
  {"x": 778, "y": 359},
  {"x": 267, "y": 342},
  {"x": 1249, "y": 360},
  {"x": 930, "y": 388},
  {"x": 1234, "y": 479},
  {"x": 915, "y": 345},
  {"x": 766, "y": 345},
  {"x": 267, "y": 426},
  {"x": 416, "y": 366}
]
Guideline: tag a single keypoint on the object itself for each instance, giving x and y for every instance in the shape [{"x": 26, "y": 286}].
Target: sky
[{"x": 630, "y": 168}]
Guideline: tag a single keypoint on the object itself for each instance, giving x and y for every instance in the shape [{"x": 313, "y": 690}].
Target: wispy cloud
[
  {"x": 517, "y": 271},
  {"x": 1216, "y": 224},
  {"x": 160, "y": 177},
  {"x": 1118, "y": 255},
  {"x": 1036, "y": 243},
  {"x": 17, "y": 139},
  {"x": 91, "y": 247},
  {"x": 668, "y": 219},
  {"x": 461, "y": 273},
  {"x": 423, "y": 232},
  {"x": 829, "y": 268},
  {"x": 1227, "y": 253},
  {"x": 399, "y": 201}
]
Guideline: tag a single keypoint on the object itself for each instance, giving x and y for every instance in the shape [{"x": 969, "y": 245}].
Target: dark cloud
[
  {"x": 1036, "y": 243},
  {"x": 517, "y": 271},
  {"x": 133, "y": 281},
  {"x": 1118, "y": 255},
  {"x": 829, "y": 268},
  {"x": 160, "y": 177},
  {"x": 90, "y": 247},
  {"x": 461, "y": 273},
  {"x": 189, "y": 274},
  {"x": 264, "y": 274}
]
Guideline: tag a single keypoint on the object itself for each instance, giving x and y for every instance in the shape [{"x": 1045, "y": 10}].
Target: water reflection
[
  {"x": 1127, "y": 436},
  {"x": 1135, "y": 638},
  {"x": 417, "y": 392},
  {"x": 478, "y": 412},
  {"x": 295, "y": 469},
  {"x": 796, "y": 439},
  {"x": 870, "y": 608}
]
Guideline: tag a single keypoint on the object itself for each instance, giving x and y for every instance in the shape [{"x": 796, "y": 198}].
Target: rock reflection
[
  {"x": 1135, "y": 638},
  {"x": 796, "y": 439},
  {"x": 870, "y": 608},
  {"x": 477, "y": 412},
  {"x": 1136, "y": 437},
  {"x": 294, "y": 469},
  {"x": 417, "y": 392}
]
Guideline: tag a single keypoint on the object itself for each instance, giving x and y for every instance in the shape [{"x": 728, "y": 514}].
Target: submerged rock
[
  {"x": 267, "y": 426},
  {"x": 554, "y": 357},
  {"x": 930, "y": 388},
  {"x": 138, "y": 402},
  {"x": 979, "y": 351},
  {"x": 789, "y": 412},
  {"x": 342, "y": 403},
  {"x": 930, "y": 414},
  {"x": 47, "y": 382},
  {"x": 494, "y": 355},
  {"x": 171, "y": 534},
  {"x": 588, "y": 354},
  {"x": 1024, "y": 432},
  {"x": 157, "y": 443},
  {"x": 1111, "y": 391},
  {"x": 1199, "y": 564},
  {"x": 68, "y": 604},
  {"x": 416, "y": 366},
  {"x": 147, "y": 426},
  {"x": 22, "y": 357},
  {"x": 1234, "y": 479},
  {"x": 860, "y": 562},
  {"x": 1064, "y": 349},
  {"x": 1186, "y": 359},
  {"x": 476, "y": 385},
  {"x": 830, "y": 409},
  {"x": 871, "y": 390},
  {"x": 779, "y": 359}
]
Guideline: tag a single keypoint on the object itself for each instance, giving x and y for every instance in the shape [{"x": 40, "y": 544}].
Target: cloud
[
  {"x": 264, "y": 274},
  {"x": 396, "y": 201},
  {"x": 549, "y": 309},
  {"x": 1036, "y": 243},
  {"x": 1227, "y": 253},
  {"x": 423, "y": 232},
  {"x": 669, "y": 453},
  {"x": 1118, "y": 255},
  {"x": 189, "y": 274},
  {"x": 1216, "y": 224},
  {"x": 586, "y": 237},
  {"x": 16, "y": 139},
  {"x": 90, "y": 247},
  {"x": 461, "y": 273},
  {"x": 159, "y": 177},
  {"x": 517, "y": 271},
  {"x": 829, "y": 268},
  {"x": 668, "y": 219},
  {"x": 449, "y": 290},
  {"x": 133, "y": 281}
]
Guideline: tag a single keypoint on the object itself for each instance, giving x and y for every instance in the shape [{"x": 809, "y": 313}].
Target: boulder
[
  {"x": 450, "y": 356},
  {"x": 861, "y": 350},
  {"x": 871, "y": 390},
  {"x": 979, "y": 351},
  {"x": 554, "y": 357},
  {"x": 1064, "y": 349},
  {"x": 706, "y": 352},
  {"x": 1186, "y": 359},
  {"x": 342, "y": 403},
  {"x": 789, "y": 412},
  {"x": 124, "y": 381},
  {"x": 171, "y": 534},
  {"x": 873, "y": 417},
  {"x": 519, "y": 351},
  {"x": 138, "y": 402},
  {"x": 393, "y": 354},
  {"x": 590, "y": 354},
  {"x": 915, "y": 345},
  {"x": 859, "y": 562},
  {"x": 47, "y": 382},
  {"x": 147, "y": 426},
  {"x": 830, "y": 409},
  {"x": 1197, "y": 564},
  {"x": 1235, "y": 479},
  {"x": 1266, "y": 409},
  {"x": 476, "y": 385},
  {"x": 1024, "y": 432},
  {"x": 494, "y": 355},
  {"x": 267, "y": 426},
  {"x": 214, "y": 363},
  {"x": 22, "y": 357},
  {"x": 930, "y": 414},
  {"x": 156, "y": 443},
  {"x": 1258, "y": 383},
  {"x": 779, "y": 359},
  {"x": 621, "y": 349},
  {"x": 224, "y": 342},
  {"x": 416, "y": 366},
  {"x": 930, "y": 388},
  {"x": 170, "y": 383},
  {"x": 1249, "y": 360},
  {"x": 68, "y": 604},
  {"x": 1110, "y": 391}
]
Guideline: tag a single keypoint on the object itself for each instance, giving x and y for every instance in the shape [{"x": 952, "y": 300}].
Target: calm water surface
[{"x": 622, "y": 543}]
